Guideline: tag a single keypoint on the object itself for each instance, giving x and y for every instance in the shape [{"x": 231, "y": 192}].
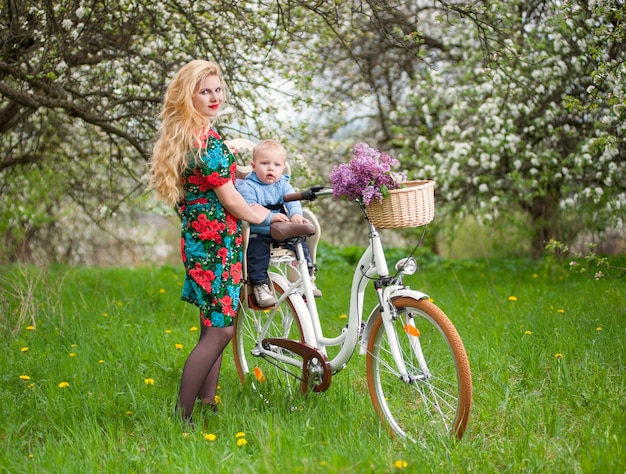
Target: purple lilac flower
[{"x": 368, "y": 176}]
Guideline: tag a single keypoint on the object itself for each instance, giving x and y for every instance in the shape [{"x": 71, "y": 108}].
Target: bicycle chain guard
[{"x": 309, "y": 354}]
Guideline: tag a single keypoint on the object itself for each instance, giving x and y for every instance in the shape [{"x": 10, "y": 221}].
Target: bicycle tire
[
  {"x": 428, "y": 405},
  {"x": 267, "y": 376}
]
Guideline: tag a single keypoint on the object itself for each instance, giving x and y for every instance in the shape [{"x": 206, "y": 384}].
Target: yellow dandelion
[
  {"x": 512, "y": 298},
  {"x": 598, "y": 328},
  {"x": 71, "y": 354},
  {"x": 168, "y": 331},
  {"x": 535, "y": 275},
  {"x": 528, "y": 332},
  {"x": 119, "y": 303},
  {"x": 149, "y": 381},
  {"x": 101, "y": 361},
  {"x": 179, "y": 347},
  {"x": 210, "y": 437},
  {"x": 217, "y": 399},
  {"x": 162, "y": 290},
  {"x": 558, "y": 356},
  {"x": 185, "y": 435},
  {"x": 30, "y": 328},
  {"x": 31, "y": 456},
  {"x": 241, "y": 434},
  {"x": 193, "y": 328},
  {"x": 400, "y": 464},
  {"x": 30, "y": 385},
  {"x": 431, "y": 300},
  {"x": 105, "y": 314},
  {"x": 129, "y": 412},
  {"x": 24, "y": 349},
  {"x": 241, "y": 442},
  {"x": 25, "y": 377},
  {"x": 560, "y": 311},
  {"x": 73, "y": 345},
  {"x": 64, "y": 385},
  {"x": 343, "y": 316}
]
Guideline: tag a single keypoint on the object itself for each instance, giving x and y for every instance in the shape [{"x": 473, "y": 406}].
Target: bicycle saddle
[{"x": 287, "y": 230}]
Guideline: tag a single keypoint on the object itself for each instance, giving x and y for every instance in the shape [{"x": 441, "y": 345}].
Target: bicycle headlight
[{"x": 407, "y": 266}]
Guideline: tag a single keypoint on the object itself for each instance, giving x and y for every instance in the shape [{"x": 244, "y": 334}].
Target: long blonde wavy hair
[{"x": 180, "y": 128}]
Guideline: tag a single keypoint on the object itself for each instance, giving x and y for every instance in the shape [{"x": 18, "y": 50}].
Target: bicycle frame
[{"x": 372, "y": 266}]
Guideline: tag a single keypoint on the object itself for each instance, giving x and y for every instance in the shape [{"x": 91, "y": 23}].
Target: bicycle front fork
[{"x": 389, "y": 314}]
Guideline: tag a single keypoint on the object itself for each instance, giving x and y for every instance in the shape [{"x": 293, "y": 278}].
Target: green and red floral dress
[{"x": 211, "y": 243}]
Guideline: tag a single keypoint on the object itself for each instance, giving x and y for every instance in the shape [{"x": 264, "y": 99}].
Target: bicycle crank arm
[{"x": 315, "y": 366}]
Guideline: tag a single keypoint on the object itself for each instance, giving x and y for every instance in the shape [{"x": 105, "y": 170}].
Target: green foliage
[
  {"x": 547, "y": 364},
  {"x": 589, "y": 262}
]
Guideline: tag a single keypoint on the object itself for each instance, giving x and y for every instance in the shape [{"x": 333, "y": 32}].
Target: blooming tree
[
  {"x": 516, "y": 109},
  {"x": 538, "y": 126}
]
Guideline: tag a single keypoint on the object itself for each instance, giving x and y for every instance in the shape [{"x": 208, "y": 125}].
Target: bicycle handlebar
[{"x": 310, "y": 194}]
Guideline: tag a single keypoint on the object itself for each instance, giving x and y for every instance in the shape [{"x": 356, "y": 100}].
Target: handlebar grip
[
  {"x": 292, "y": 197},
  {"x": 307, "y": 195}
]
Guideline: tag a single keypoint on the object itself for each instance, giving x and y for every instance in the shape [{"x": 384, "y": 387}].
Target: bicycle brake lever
[{"x": 311, "y": 193}]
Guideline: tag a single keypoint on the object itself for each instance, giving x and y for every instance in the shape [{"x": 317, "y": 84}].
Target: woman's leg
[
  {"x": 199, "y": 372},
  {"x": 209, "y": 388}
]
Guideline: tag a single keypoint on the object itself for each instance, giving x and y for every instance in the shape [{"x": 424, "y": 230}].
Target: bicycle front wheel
[
  {"x": 251, "y": 327},
  {"x": 435, "y": 396}
]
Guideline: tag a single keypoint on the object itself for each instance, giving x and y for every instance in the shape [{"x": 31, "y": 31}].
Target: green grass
[{"x": 106, "y": 331}]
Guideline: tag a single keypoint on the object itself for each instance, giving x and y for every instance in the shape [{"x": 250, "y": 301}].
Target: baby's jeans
[{"x": 258, "y": 257}]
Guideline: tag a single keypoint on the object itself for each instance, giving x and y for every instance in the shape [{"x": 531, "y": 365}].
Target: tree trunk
[{"x": 545, "y": 219}]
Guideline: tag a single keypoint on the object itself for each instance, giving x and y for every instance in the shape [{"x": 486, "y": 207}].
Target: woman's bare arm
[{"x": 237, "y": 205}]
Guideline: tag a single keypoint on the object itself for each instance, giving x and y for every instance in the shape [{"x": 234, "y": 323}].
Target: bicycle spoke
[{"x": 277, "y": 376}]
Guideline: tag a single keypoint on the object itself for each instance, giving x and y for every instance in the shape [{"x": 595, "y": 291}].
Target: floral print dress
[{"x": 211, "y": 243}]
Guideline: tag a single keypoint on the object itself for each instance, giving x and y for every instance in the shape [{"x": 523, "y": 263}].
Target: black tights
[{"x": 202, "y": 369}]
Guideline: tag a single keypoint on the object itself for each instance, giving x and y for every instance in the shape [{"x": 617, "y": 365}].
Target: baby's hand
[{"x": 298, "y": 219}]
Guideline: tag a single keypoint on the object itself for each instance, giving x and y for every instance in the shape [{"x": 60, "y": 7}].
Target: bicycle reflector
[{"x": 407, "y": 266}]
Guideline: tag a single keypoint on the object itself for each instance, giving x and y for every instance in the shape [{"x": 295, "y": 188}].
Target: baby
[{"x": 266, "y": 185}]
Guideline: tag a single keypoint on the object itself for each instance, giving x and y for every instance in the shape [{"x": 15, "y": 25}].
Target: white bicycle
[{"x": 418, "y": 374}]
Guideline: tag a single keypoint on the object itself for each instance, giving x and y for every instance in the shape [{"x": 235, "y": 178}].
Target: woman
[{"x": 192, "y": 167}]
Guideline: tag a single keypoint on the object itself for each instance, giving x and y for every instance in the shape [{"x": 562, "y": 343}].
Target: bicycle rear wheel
[
  {"x": 267, "y": 374},
  {"x": 436, "y": 397}
]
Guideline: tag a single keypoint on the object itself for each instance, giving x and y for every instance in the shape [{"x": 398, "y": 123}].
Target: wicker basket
[{"x": 411, "y": 206}]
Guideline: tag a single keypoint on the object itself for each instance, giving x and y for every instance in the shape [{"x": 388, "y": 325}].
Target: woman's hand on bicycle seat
[{"x": 279, "y": 217}]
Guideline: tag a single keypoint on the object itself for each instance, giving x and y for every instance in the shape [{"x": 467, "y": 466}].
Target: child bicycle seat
[{"x": 277, "y": 253}]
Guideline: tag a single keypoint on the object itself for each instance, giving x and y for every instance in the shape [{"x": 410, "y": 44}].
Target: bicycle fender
[
  {"x": 367, "y": 327},
  {"x": 401, "y": 292}
]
